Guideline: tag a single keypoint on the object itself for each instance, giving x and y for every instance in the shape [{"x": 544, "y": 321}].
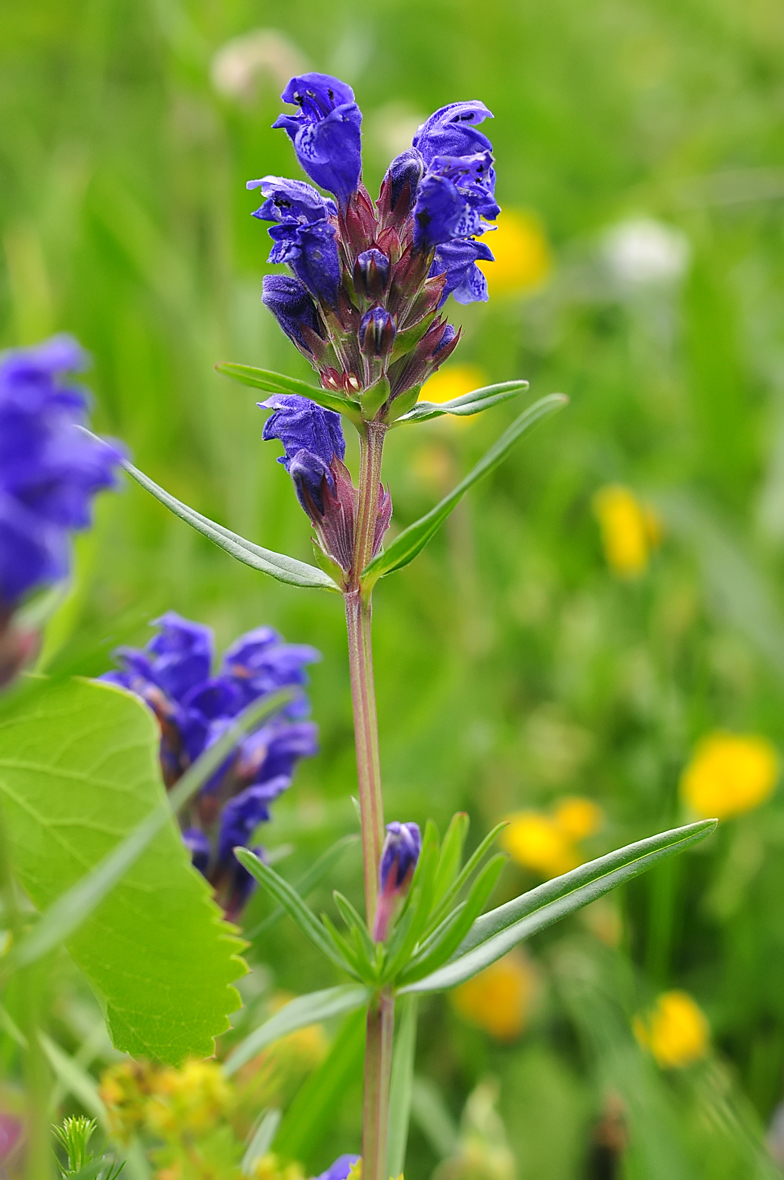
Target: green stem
[
  {"x": 378, "y": 1067},
  {"x": 358, "y": 622},
  {"x": 380, "y": 1018}
]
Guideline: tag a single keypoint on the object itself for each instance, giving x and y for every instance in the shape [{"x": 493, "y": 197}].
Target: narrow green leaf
[
  {"x": 401, "y": 1084},
  {"x": 433, "y": 1117},
  {"x": 495, "y": 933},
  {"x": 451, "y": 854},
  {"x": 465, "y": 874},
  {"x": 271, "y": 382},
  {"x": 291, "y": 902},
  {"x": 75, "y": 1080},
  {"x": 79, "y": 786},
  {"x": 412, "y": 540},
  {"x": 468, "y": 403},
  {"x": 298, "y": 1013},
  {"x": 351, "y": 954},
  {"x": 74, "y": 906},
  {"x": 266, "y": 561},
  {"x": 261, "y": 1142},
  {"x": 355, "y": 923},
  {"x": 445, "y": 946},
  {"x": 313, "y": 1113},
  {"x": 310, "y": 880}
]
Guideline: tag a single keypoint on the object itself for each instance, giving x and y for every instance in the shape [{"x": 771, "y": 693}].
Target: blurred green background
[{"x": 513, "y": 667}]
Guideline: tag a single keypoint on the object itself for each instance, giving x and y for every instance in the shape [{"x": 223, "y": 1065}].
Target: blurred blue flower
[
  {"x": 49, "y": 470},
  {"x": 325, "y": 132},
  {"x": 312, "y": 438},
  {"x": 173, "y": 676},
  {"x": 340, "y": 1169}
]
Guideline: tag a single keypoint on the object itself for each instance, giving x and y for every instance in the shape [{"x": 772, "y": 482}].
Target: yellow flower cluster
[
  {"x": 523, "y": 258},
  {"x": 271, "y": 1167},
  {"x": 547, "y": 843},
  {"x": 163, "y": 1099},
  {"x": 675, "y": 1031},
  {"x": 630, "y": 530},
  {"x": 498, "y": 999},
  {"x": 729, "y": 774}
]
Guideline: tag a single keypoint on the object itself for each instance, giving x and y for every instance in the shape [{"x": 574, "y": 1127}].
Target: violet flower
[
  {"x": 49, "y": 473},
  {"x": 173, "y": 676}
]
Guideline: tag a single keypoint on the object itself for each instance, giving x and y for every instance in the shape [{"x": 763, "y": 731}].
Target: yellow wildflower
[
  {"x": 523, "y": 258},
  {"x": 125, "y": 1089},
  {"x": 271, "y": 1167},
  {"x": 630, "y": 530},
  {"x": 728, "y": 774},
  {"x": 193, "y": 1097},
  {"x": 578, "y": 817},
  {"x": 547, "y": 844},
  {"x": 498, "y": 999},
  {"x": 537, "y": 842},
  {"x": 675, "y": 1031}
]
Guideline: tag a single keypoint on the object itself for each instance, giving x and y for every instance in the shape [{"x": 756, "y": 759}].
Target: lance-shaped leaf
[
  {"x": 291, "y": 901},
  {"x": 277, "y": 565},
  {"x": 468, "y": 403},
  {"x": 307, "y": 882},
  {"x": 401, "y": 1084},
  {"x": 298, "y": 1013},
  {"x": 79, "y": 774},
  {"x": 271, "y": 382},
  {"x": 495, "y": 933},
  {"x": 413, "y": 539}
]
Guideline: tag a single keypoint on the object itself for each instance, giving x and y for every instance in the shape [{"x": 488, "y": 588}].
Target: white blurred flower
[
  {"x": 643, "y": 252},
  {"x": 237, "y": 67}
]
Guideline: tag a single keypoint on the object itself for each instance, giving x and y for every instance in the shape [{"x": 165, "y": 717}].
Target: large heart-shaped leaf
[
  {"x": 497, "y": 932},
  {"x": 412, "y": 540},
  {"x": 78, "y": 774}
]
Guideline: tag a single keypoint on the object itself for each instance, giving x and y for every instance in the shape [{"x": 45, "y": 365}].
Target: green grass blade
[
  {"x": 313, "y": 1113},
  {"x": 261, "y": 1142},
  {"x": 401, "y": 1085},
  {"x": 356, "y": 923},
  {"x": 270, "y": 382},
  {"x": 72, "y": 908},
  {"x": 495, "y": 933},
  {"x": 266, "y": 561},
  {"x": 298, "y": 1013},
  {"x": 291, "y": 901},
  {"x": 318, "y": 871},
  {"x": 412, "y": 540},
  {"x": 468, "y": 403}
]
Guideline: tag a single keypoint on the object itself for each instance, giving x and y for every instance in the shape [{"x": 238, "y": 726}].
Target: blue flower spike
[
  {"x": 174, "y": 676},
  {"x": 399, "y": 857},
  {"x": 49, "y": 473},
  {"x": 370, "y": 276}
]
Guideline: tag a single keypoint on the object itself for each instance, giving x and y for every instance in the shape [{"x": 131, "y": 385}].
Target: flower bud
[
  {"x": 294, "y": 309},
  {"x": 371, "y": 273},
  {"x": 399, "y": 857},
  {"x": 377, "y": 332}
]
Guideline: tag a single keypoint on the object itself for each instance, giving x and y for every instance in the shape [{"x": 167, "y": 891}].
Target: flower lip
[
  {"x": 317, "y": 94},
  {"x": 291, "y": 200}
]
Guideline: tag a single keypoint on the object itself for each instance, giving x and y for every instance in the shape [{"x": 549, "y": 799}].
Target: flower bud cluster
[
  {"x": 49, "y": 473},
  {"x": 173, "y": 676},
  {"x": 369, "y": 278}
]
